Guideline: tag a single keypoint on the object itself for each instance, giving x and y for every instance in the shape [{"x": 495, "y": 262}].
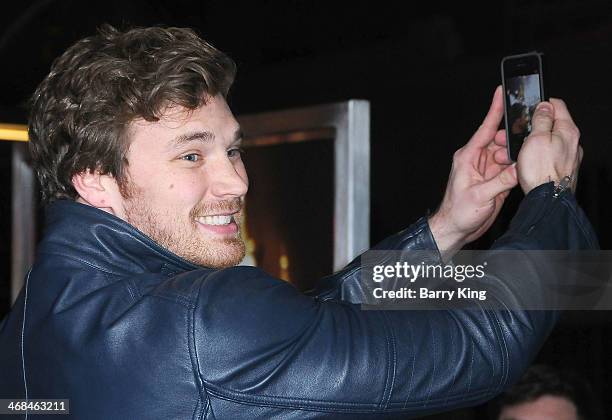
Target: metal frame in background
[
  {"x": 347, "y": 123},
  {"x": 23, "y": 235}
]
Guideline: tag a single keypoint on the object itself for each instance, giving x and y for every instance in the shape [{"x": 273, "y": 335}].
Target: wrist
[
  {"x": 448, "y": 239},
  {"x": 560, "y": 183},
  {"x": 564, "y": 184}
]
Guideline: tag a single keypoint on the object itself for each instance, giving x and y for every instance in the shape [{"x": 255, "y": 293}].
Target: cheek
[
  {"x": 173, "y": 190},
  {"x": 183, "y": 191}
]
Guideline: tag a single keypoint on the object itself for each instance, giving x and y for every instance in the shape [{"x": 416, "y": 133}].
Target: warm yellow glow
[
  {"x": 13, "y": 132},
  {"x": 283, "y": 262}
]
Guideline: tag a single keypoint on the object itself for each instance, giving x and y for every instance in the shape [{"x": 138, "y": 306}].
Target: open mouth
[
  {"x": 219, "y": 224},
  {"x": 218, "y": 220}
]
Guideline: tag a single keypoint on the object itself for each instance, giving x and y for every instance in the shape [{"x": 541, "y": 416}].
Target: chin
[{"x": 218, "y": 257}]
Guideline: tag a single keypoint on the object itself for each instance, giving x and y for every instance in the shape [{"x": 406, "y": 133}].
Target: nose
[{"x": 228, "y": 179}]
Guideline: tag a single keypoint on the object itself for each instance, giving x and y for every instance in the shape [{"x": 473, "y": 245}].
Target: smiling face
[{"x": 187, "y": 182}]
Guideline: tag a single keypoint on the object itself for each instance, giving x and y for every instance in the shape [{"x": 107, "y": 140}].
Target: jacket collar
[{"x": 104, "y": 241}]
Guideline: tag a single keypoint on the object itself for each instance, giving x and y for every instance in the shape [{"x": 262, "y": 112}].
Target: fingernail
[{"x": 544, "y": 107}]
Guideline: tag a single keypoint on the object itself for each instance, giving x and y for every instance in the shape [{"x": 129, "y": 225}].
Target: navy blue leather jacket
[{"x": 127, "y": 330}]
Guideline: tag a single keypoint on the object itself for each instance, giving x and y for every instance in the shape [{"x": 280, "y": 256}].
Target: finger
[
  {"x": 561, "y": 111},
  {"x": 504, "y": 181},
  {"x": 493, "y": 148},
  {"x": 497, "y": 160},
  {"x": 487, "y": 130},
  {"x": 496, "y": 111},
  {"x": 567, "y": 131},
  {"x": 493, "y": 170},
  {"x": 501, "y": 156},
  {"x": 543, "y": 119},
  {"x": 500, "y": 138}
]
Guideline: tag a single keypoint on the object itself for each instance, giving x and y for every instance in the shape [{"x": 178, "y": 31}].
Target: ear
[{"x": 98, "y": 190}]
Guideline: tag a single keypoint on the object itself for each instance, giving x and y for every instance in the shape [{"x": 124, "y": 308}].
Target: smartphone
[{"x": 523, "y": 85}]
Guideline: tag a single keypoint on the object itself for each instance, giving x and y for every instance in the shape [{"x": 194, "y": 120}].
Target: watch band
[{"x": 563, "y": 185}]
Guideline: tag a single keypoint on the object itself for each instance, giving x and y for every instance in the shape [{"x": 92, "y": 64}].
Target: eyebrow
[
  {"x": 238, "y": 135},
  {"x": 201, "y": 136}
]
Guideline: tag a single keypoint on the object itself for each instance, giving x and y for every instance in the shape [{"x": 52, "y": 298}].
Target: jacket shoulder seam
[
  {"x": 195, "y": 362},
  {"x": 309, "y": 404},
  {"x": 391, "y": 364},
  {"x": 503, "y": 351},
  {"x": 82, "y": 261}
]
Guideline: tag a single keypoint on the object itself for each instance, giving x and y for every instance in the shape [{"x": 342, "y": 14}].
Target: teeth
[{"x": 215, "y": 220}]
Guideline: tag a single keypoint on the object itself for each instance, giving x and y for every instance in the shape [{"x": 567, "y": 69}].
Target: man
[
  {"x": 544, "y": 393},
  {"x": 134, "y": 307}
]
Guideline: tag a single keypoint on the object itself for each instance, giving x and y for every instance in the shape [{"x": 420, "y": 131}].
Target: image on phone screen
[
  {"x": 523, "y": 91},
  {"x": 522, "y": 96}
]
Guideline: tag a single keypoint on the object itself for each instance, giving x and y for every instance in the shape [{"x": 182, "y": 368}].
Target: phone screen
[{"x": 523, "y": 91}]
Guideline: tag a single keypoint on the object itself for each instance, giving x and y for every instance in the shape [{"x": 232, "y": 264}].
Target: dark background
[{"x": 429, "y": 70}]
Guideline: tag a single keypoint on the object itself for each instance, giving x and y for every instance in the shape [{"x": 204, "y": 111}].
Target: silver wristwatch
[{"x": 563, "y": 185}]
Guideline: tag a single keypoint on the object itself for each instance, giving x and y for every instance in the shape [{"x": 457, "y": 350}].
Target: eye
[
  {"x": 235, "y": 152},
  {"x": 192, "y": 157}
]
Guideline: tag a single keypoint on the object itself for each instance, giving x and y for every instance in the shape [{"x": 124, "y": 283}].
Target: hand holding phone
[
  {"x": 523, "y": 86},
  {"x": 552, "y": 151},
  {"x": 478, "y": 184}
]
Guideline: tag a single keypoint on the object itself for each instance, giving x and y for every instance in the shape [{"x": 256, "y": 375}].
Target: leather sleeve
[
  {"x": 345, "y": 284},
  {"x": 260, "y": 344},
  {"x": 541, "y": 223}
]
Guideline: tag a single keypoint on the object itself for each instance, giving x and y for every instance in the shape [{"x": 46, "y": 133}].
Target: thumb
[{"x": 503, "y": 181}]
